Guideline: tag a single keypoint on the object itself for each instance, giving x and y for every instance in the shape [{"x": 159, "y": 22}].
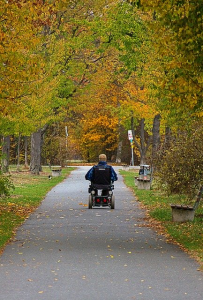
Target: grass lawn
[
  {"x": 188, "y": 235},
  {"x": 29, "y": 191}
]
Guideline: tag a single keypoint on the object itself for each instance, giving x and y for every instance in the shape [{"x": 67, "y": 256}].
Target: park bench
[
  {"x": 143, "y": 182},
  {"x": 184, "y": 213},
  {"x": 126, "y": 167}
]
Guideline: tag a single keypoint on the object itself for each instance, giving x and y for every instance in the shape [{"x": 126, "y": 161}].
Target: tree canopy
[{"x": 95, "y": 65}]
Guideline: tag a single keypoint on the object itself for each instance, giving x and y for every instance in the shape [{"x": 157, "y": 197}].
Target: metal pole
[
  {"x": 66, "y": 131},
  {"x": 131, "y": 142}
]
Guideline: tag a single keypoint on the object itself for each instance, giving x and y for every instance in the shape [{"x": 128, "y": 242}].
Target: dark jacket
[{"x": 89, "y": 175}]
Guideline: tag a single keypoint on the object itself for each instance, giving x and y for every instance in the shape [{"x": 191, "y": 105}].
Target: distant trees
[{"x": 101, "y": 68}]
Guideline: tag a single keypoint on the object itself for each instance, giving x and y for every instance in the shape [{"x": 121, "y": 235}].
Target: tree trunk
[
  {"x": 144, "y": 142},
  {"x": 5, "y": 154},
  {"x": 155, "y": 135},
  {"x": 26, "y": 152},
  {"x": 120, "y": 146},
  {"x": 119, "y": 152},
  {"x": 18, "y": 153},
  {"x": 167, "y": 137},
  {"x": 35, "y": 162},
  {"x": 142, "y": 148},
  {"x": 36, "y": 149}
]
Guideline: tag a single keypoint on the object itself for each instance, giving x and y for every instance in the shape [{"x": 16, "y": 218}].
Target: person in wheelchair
[{"x": 101, "y": 175}]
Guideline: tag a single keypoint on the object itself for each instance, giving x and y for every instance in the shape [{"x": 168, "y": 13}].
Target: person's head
[{"x": 102, "y": 157}]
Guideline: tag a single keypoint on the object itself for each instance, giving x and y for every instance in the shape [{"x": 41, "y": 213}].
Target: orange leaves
[
  {"x": 97, "y": 104},
  {"x": 100, "y": 129},
  {"x": 136, "y": 103}
]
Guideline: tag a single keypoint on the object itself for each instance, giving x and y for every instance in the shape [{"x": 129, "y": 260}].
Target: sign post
[
  {"x": 66, "y": 131},
  {"x": 130, "y": 137}
]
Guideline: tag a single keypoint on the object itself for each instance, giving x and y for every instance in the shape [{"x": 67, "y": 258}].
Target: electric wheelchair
[{"x": 101, "y": 188}]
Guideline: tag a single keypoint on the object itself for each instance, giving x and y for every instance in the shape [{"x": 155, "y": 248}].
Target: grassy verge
[
  {"x": 29, "y": 192},
  {"x": 188, "y": 235}
]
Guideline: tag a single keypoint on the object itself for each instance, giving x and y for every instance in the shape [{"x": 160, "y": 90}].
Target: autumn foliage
[
  {"x": 99, "y": 67},
  {"x": 180, "y": 168}
]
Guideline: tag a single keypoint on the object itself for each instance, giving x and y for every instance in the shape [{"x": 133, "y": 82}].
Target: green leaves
[
  {"x": 6, "y": 185},
  {"x": 177, "y": 32}
]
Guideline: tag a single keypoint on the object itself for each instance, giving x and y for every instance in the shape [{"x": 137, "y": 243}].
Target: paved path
[{"x": 65, "y": 251}]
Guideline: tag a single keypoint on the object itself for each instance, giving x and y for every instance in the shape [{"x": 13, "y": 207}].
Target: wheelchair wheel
[
  {"x": 113, "y": 202},
  {"x": 90, "y": 202}
]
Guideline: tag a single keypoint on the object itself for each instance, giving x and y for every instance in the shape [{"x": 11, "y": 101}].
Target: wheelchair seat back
[{"x": 101, "y": 176}]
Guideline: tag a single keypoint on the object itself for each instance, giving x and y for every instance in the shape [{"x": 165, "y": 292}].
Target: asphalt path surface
[{"x": 66, "y": 251}]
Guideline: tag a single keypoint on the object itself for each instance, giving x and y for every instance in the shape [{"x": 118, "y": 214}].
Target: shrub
[
  {"x": 180, "y": 168},
  {"x": 6, "y": 185}
]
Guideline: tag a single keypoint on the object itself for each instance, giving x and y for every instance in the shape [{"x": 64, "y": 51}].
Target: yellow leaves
[
  {"x": 176, "y": 38},
  {"x": 97, "y": 103},
  {"x": 19, "y": 65}
]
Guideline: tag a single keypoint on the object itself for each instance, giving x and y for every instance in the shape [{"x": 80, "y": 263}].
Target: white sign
[{"x": 130, "y": 135}]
